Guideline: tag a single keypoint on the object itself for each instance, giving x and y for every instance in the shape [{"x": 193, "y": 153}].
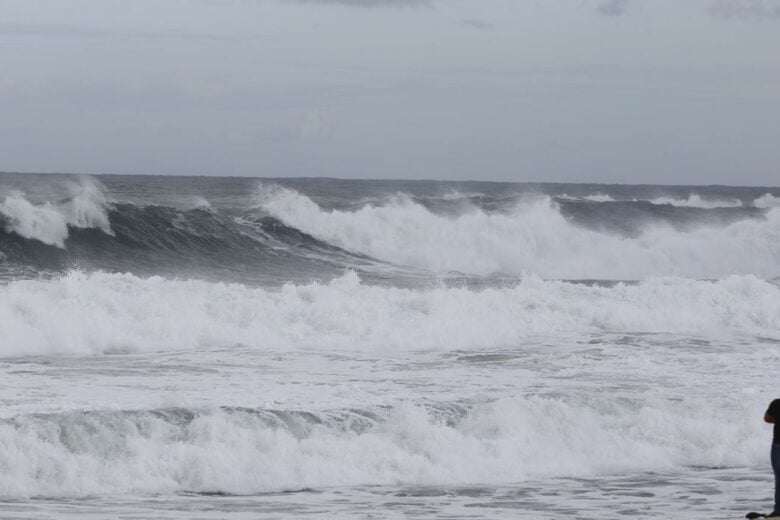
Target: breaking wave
[
  {"x": 246, "y": 451},
  {"x": 535, "y": 236}
]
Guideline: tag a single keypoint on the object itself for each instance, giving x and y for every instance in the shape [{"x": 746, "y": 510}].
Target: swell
[
  {"x": 109, "y": 313},
  {"x": 247, "y": 451}
]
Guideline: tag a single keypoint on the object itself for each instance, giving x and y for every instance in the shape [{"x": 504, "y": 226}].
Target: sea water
[{"x": 302, "y": 348}]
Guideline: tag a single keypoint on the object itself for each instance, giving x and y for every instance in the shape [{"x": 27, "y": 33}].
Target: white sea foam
[
  {"x": 84, "y": 206},
  {"x": 533, "y": 238},
  {"x": 767, "y": 201},
  {"x": 596, "y": 197},
  {"x": 599, "y": 197},
  {"x": 500, "y": 442},
  {"x": 693, "y": 201},
  {"x": 99, "y": 313},
  {"x": 696, "y": 201},
  {"x": 458, "y": 195}
]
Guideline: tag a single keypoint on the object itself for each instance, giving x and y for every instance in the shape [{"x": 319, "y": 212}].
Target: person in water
[{"x": 772, "y": 416}]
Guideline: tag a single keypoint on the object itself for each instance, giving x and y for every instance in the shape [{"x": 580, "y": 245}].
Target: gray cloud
[
  {"x": 76, "y": 31},
  {"x": 475, "y": 23},
  {"x": 746, "y": 8},
  {"x": 613, "y": 7},
  {"x": 331, "y": 87},
  {"x": 368, "y": 3}
]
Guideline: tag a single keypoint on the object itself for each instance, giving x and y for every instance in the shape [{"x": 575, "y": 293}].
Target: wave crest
[{"x": 85, "y": 207}]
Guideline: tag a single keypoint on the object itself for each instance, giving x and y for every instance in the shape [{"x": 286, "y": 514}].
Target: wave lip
[{"x": 85, "y": 207}]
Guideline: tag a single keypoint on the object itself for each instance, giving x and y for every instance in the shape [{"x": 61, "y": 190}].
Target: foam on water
[
  {"x": 142, "y": 387},
  {"x": 692, "y": 201},
  {"x": 599, "y": 197},
  {"x": 101, "y": 313},
  {"x": 534, "y": 237},
  {"x": 696, "y": 201}
]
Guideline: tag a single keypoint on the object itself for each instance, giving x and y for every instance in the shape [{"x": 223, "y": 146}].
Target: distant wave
[
  {"x": 696, "y": 201},
  {"x": 102, "y": 313},
  {"x": 533, "y": 237},
  {"x": 692, "y": 201}
]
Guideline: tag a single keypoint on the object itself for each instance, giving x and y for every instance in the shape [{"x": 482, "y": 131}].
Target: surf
[
  {"x": 259, "y": 450},
  {"x": 101, "y": 313}
]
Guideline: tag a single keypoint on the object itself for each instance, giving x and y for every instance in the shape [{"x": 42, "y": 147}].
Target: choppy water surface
[{"x": 244, "y": 348}]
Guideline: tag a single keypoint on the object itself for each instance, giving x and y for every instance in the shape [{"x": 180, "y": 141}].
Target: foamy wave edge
[
  {"x": 244, "y": 451},
  {"x": 103, "y": 313}
]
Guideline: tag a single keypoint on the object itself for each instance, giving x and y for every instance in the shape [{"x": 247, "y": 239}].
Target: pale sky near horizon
[{"x": 626, "y": 91}]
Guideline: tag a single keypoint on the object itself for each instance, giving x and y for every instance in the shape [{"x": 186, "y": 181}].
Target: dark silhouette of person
[{"x": 772, "y": 416}]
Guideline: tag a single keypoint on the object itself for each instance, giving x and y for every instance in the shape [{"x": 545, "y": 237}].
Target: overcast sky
[{"x": 636, "y": 91}]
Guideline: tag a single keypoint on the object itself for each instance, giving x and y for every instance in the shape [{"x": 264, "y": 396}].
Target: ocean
[{"x": 239, "y": 348}]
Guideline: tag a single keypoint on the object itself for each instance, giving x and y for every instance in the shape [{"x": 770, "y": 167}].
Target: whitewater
[{"x": 296, "y": 348}]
